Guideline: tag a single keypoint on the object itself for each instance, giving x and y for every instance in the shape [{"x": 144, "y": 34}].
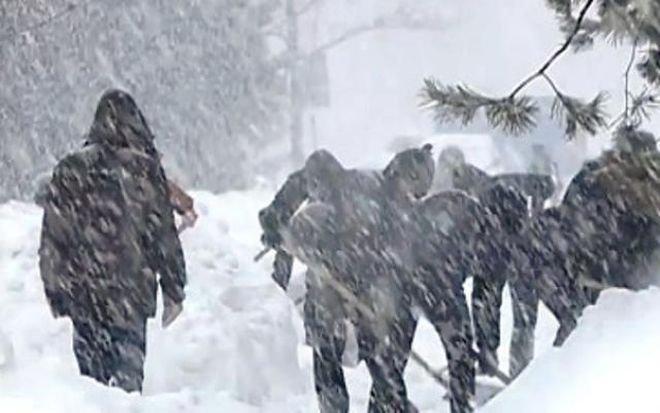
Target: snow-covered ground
[
  {"x": 238, "y": 347},
  {"x": 610, "y": 364}
]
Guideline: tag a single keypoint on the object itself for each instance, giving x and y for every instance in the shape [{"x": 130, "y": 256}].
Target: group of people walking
[
  {"x": 382, "y": 248},
  {"x": 380, "y": 244}
]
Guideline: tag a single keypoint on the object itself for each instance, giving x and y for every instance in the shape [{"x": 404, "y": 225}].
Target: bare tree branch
[
  {"x": 383, "y": 23},
  {"x": 627, "y": 77},
  {"x": 347, "y": 35},
  {"x": 557, "y": 53}
]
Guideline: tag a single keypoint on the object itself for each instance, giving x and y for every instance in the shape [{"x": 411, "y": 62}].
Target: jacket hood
[{"x": 119, "y": 123}]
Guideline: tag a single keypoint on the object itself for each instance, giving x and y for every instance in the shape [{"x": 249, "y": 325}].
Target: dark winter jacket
[
  {"x": 473, "y": 180},
  {"x": 108, "y": 226},
  {"x": 612, "y": 206}
]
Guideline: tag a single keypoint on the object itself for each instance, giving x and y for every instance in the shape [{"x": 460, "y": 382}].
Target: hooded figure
[
  {"x": 108, "y": 230},
  {"x": 604, "y": 234}
]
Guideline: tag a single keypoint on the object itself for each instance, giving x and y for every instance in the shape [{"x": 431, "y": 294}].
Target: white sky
[{"x": 491, "y": 45}]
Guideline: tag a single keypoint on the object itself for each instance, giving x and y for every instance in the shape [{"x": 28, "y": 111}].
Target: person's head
[
  {"x": 119, "y": 122},
  {"x": 323, "y": 172},
  {"x": 412, "y": 170},
  {"x": 450, "y": 159},
  {"x": 451, "y": 156}
]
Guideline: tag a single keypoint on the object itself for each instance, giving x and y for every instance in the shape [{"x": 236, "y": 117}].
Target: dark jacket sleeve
[
  {"x": 276, "y": 215},
  {"x": 538, "y": 186},
  {"x": 287, "y": 201},
  {"x": 164, "y": 251},
  {"x": 57, "y": 234},
  {"x": 470, "y": 179}
]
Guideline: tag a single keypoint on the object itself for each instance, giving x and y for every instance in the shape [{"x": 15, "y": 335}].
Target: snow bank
[
  {"x": 610, "y": 363},
  {"x": 234, "y": 349}
]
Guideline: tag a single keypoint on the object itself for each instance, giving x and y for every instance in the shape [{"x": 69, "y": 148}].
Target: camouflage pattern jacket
[{"x": 108, "y": 229}]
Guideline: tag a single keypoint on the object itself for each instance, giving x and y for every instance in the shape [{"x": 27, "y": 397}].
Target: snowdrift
[{"x": 610, "y": 363}]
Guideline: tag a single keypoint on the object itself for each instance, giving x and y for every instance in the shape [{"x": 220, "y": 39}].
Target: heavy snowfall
[
  {"x": 239, "y": 345},
  {"x": 250, "y": 205}
]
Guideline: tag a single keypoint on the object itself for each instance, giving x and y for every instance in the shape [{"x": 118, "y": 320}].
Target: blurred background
[{"x": 238, "y": 90}]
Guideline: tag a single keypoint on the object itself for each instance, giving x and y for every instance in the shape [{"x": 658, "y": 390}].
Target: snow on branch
[
  {"x": 514, "y": 114},
  {"x": 577, "y": 115}
]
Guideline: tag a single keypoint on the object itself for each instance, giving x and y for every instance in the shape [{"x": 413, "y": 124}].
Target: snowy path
[{"x": 237, "y": 347}]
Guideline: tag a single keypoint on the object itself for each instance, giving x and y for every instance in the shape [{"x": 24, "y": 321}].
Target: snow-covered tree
[{"x": 203, "y": 72}]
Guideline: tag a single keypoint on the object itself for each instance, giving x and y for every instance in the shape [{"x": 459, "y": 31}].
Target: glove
[
  {"x": 171, "y": 311},
  {"x": 188, "y": 220},
  {"x": 271, "y": 240},
  {"x": 282, "y": 269},
  {"x": 271, "y": 237}
]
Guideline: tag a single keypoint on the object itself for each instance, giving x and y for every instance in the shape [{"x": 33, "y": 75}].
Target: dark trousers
[
  {"x": 111, "y": 354},
  {"x": 445, "y": 306},
  {"x": 486, "y": 305},
  {"x": 385, "y": 357},
  {"x": 386, "y": 360}
]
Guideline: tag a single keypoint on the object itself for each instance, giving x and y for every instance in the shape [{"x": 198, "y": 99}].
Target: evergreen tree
[{"x": 634, "y": 22}]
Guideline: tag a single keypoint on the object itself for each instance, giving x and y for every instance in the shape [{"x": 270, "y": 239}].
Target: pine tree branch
[
  {"x": 627, "y": 77},
  {"x": 637, "y": 108},
  {"x": 552, "y": 84},
  {"x": 460, "y": 103},
  {"x": 576, "y": 114},
  {"x": 562, "y": 49}
]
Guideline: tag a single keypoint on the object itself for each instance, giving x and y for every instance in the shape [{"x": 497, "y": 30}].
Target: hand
[
  {"x": 190, "y": 217},
  {"x": 271, "y": 240},
  {"x": 270, "y": 225},
  {"x": 187, "y": 220},
  {"x": 171, "y": 311}
]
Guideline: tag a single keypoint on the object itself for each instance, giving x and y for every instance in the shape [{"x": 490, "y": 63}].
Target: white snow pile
[
  {"x": 609, "y": 364},
  {"x": 238, "y": 346}
]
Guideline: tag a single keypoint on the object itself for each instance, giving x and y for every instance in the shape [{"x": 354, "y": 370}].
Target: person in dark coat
[
  {"x": 341, "y": 205},
  {"x": 108, "y": 232},
  {"x": 505, "y": 263},
  {"x": 182, "y": 203},
  {"x": 604, "y": 234},
  {"x": 359, "y": 234}
]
